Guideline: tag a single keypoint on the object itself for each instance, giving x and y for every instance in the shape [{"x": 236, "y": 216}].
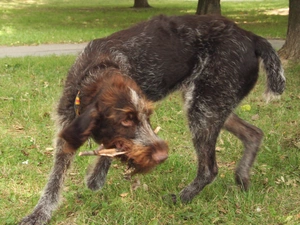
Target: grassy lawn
[
  {"x": 56, "y": 21},
  {"x": 26, "y": 132},
  {"x": 30, "y": 87}
]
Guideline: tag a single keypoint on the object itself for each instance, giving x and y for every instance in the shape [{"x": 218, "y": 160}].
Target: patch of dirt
[{"x": 281, "y": 12}]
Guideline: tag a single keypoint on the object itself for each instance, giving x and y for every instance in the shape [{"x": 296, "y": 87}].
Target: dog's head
[{"x": 117, "y": 115}]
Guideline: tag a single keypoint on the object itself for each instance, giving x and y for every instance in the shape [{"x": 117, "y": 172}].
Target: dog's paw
[
  {"x": 170, "y": 199},
  {"x": 96, "y": 173},
  {"x": 94, "y": 183},
  {"x": 188, "y": 193},
  {"x": 36, "y": 218},
  {"x": 242, "y": 181}
]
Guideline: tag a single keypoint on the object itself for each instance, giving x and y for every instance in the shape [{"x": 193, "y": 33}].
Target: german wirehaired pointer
[{"x": 209, "y": 58}]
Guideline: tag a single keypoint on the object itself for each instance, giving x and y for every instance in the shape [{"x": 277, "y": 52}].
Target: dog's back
[{"x": 164, "y": 53}]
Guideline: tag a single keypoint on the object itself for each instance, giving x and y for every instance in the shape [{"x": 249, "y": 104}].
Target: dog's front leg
[
  {"x": 50, "y": 197},
  {"x": 96, "y": 176},
  {"x": 207, "y": 166}
]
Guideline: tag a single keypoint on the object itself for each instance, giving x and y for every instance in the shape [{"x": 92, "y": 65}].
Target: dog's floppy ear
[{"x": 77, "y": 132}]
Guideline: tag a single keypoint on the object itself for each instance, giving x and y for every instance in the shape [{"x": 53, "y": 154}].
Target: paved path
[
  {"x": 65, "y": 49},
  {"x": 41, "y": 50}
]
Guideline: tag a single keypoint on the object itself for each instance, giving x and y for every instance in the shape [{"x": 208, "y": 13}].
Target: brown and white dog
[{"x": 209, "y": 58}]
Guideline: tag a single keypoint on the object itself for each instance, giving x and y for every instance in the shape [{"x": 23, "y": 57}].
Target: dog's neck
[{"x": 104, "y": 81}]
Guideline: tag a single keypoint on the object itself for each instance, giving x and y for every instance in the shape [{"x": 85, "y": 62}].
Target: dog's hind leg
[
  {"x": 251, "y": 137},
  {"x": 96, "y": 177},
  {"x": 50, "y": 197}
]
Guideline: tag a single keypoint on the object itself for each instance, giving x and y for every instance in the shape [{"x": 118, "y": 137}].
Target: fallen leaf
[
  {"x": 246, "y": 107},
  {"x": 116, "y": 166},
  {"x": 123, "y": 195},
  {"x": 218, "y": 149},
  {"x": 25, "y": 153},
  {"x": 255, "y": 117},
  {"x": 258, "y": 209},
  {"x": 157, "y": 129},
  {"x": 145, "y": 187},
  {"x": 18, "y": 127},
  {"x": 25, "y": 162},
  {"x": 288, "y": 218},
  {"x": 6, "y": 98}
]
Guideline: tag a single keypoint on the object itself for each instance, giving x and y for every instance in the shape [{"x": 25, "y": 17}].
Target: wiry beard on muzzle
[{"x": 140, "y": 158}]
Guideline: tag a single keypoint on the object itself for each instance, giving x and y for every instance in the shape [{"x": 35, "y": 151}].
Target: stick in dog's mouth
[
  {"x": 101, "y": 151},
  {"x": 141, "y": 158},
  {"x": 109, "y": 152}
]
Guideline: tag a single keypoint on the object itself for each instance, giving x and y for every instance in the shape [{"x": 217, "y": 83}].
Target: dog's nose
[{"x": 161, "y": 153}]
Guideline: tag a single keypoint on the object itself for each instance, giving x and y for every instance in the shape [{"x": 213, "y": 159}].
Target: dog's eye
[{"x": 127, "y": 123}]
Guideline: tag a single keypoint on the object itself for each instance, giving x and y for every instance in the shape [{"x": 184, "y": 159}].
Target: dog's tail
[{"x": 273, "y": 67}]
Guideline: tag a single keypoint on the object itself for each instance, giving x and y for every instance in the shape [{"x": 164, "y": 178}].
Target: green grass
[
  {"x": 72, "y": 21},
  {"x": 29, "y": 88}
]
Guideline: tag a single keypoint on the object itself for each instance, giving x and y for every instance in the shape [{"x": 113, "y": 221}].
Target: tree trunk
[
  {"x": 208, "y": 7},
  {"x": 291, "y": 47},
  {"x": 141, "y": 4}
]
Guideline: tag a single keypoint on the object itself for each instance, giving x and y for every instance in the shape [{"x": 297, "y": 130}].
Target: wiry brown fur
[
  {"x": 209, "y": 58},
  {"x": 139, "y": 157}
]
